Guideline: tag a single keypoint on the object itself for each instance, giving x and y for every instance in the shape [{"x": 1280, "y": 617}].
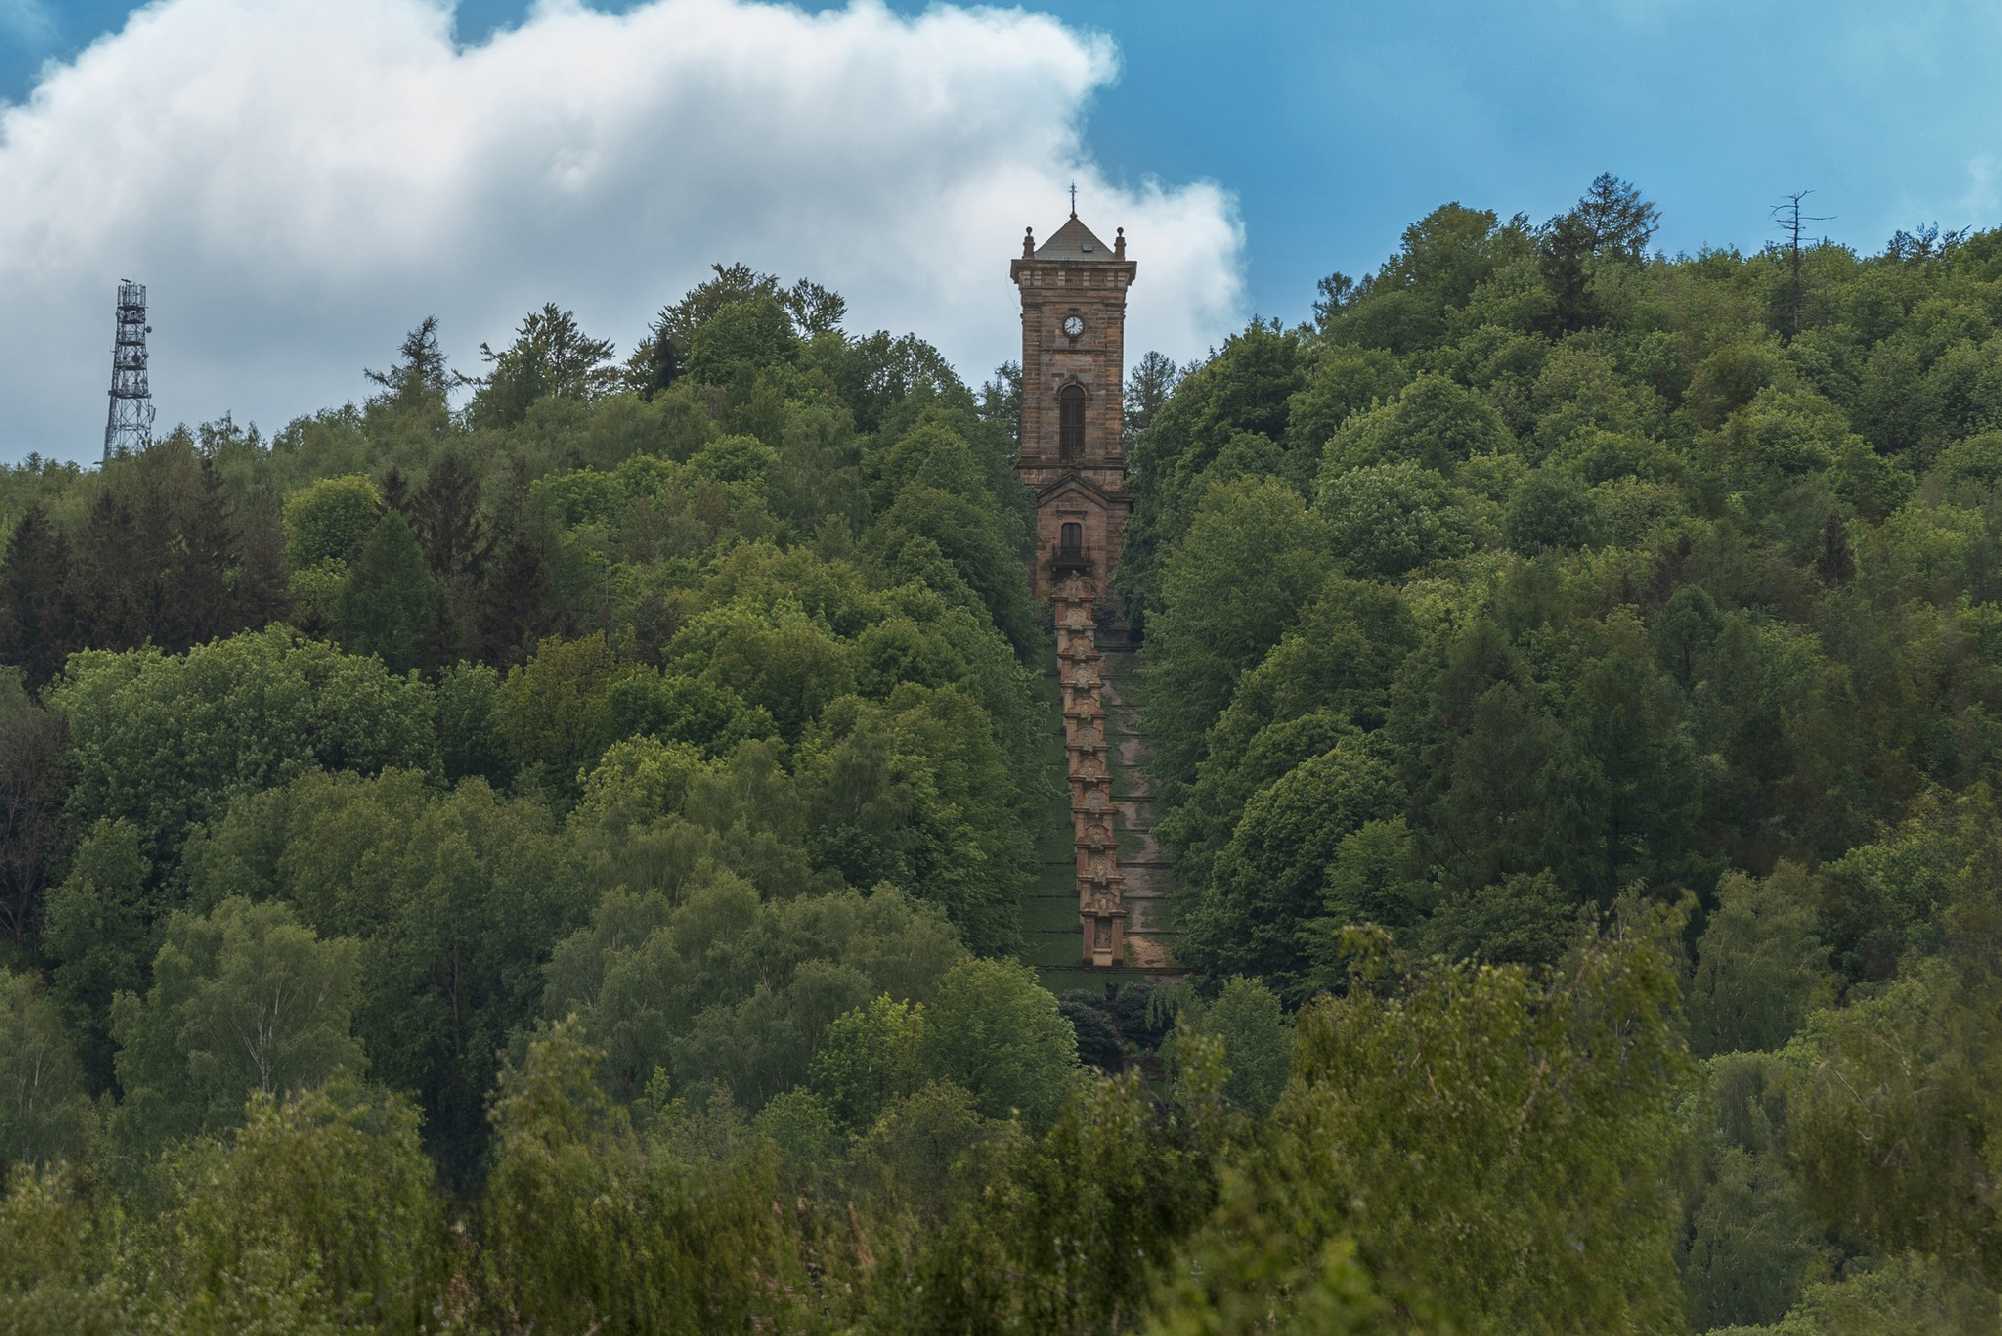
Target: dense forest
[{"x": 541, "y": 850}]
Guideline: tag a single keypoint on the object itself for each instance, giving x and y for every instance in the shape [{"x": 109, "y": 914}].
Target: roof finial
[{"x": 1073, "y": 199}]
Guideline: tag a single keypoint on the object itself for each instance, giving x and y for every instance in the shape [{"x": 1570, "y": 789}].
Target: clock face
[{"x": 1073, "y": 325}]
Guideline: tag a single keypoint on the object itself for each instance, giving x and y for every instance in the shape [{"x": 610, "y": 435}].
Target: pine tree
[
  {"x": 106, "y": 578},
  {"x": 1562, "y": 250},
  {"x": 1838, "y": 560},
  {"x": 655, "y": 364},
  {"x": 34, "y": 781},
  {"x": 396, "y": 491},
  {"x": 445, "y": 514},
  {"x": 260, "y": 590},
  {"x": 1620, "y": 222},
  {"x": 513, "y": 602},
  {"x": 419, "y": 378},
  {"x": 204, "y": 559},
  {"x": 38, "y": 625},
  {"x": 389, "y": 606}
]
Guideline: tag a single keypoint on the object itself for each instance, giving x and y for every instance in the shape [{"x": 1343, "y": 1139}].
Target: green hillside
[{"x": 585, "y": 846}]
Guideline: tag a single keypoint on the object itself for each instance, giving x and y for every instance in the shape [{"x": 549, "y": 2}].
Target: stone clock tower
[{"x": 1072, "y": 456}]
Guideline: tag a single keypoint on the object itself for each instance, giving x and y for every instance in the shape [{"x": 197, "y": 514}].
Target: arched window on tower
[
  {"x": 1070, "y": 422},
  {"x": 1069, "y": 558}
]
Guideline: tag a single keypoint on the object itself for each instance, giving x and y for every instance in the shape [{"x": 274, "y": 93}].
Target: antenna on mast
[{"x": 128, "y": 425}]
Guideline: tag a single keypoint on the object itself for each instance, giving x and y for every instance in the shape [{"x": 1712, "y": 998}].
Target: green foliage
[
  {"x": 1906, "y": 1293},
  {"x": 243, "y": 1000},
  {"x": 1749, "y": 1246},
  {"x": 1256, "y": 1037},
  {"x": 1539, "y": 578},
  {"x": 44, "y": 1111},
  {"x": 1217, "y": 623},
  {"x": 1390, "y": 519},
  {"x": 1761, "y": 966},
  {"x": 1068, "y": 1234},
  {"x": 469, "y": 740},
  {"x": 871, "y": 1057},
  {"x": 165, "y": 741},
  {"x": 102, "y": 929},
  {"x": 918, "y": 1157},
  {"x": 1495, "y": 1145},
  {"x": 1272, "y": 876},
  {"x": 1524, "y": 919},
  {"x": 326, "y": 1191},
  {"x": 741, "y": 337},
  {"x": 553, "y": 710},
  {"x": 34, "y": 782},
  {"x": 329, "y": 519},
  {"x": 1432, "y": 422},
  {"x": 782, "y": 660},
  {"x": 914, "y": 792},
  {"x": 720, "y": 988},
  {"x": 1549, "y": 510},
  {"x": 550, "y": 359},
  {"x": 389, "y": 605},
  {"x": 1892, "y": 1118},
  {"x": 63, "y": 1262},
  {"x": 452, "y": 897},
  {"x": 589, "y": 1223},
  {"x": 993, "y": 1029}
]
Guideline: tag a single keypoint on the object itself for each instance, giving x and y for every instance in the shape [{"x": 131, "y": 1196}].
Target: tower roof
[{"x": 1073, "y": 241}]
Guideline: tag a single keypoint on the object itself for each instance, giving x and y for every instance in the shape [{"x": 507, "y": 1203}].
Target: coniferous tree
[
  {"x": 513, "y": 602},
  {"x": 1001, "y": 400},
  {"x": 38, "y": 625},
  {"x": 259, "y": 593},
  {"x": 1148, "y": 386},
  {"x": 551, "y": 357},
  {"x": 107, "y": 580},
  {"x": 419, "y": 378},
  {"x": 205, "y": 560},
  {"x": 1619, "y": 221},
  {"x": 655, "y": 365},
  {"x": 1838, "y": 559},
  {"x": 445, "y": 514},
  {"x": 396, "y": 490},
  {"x": 1566, "y": 243},
  {"x": 34, "y": 782},
  {"x": 389, "y": 608}
]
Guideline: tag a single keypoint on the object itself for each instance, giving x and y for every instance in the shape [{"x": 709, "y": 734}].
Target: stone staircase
[{"x": 1102, "y": 911}]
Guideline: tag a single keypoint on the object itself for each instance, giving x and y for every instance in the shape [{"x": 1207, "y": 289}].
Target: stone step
[{"x": 1102, "y": 737}]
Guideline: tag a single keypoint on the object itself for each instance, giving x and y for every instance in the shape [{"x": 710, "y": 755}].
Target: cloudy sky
[{"x": 299, "y": 181}]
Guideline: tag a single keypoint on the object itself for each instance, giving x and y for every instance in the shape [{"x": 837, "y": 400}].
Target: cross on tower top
[{"x": 1073, "y": 199}]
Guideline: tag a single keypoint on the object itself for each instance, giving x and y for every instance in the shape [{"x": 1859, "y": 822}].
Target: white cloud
[{"x": 300, "y": 182}]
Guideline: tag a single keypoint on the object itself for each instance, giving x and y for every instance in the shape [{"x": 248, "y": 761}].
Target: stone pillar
[{"x": 1101, "y": 903}]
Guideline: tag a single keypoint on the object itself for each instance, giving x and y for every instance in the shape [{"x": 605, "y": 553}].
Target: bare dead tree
[{"x": 1790, "y": 220}]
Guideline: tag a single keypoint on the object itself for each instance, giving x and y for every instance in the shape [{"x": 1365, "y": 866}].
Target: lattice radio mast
[{"x": 128, "y": 426}]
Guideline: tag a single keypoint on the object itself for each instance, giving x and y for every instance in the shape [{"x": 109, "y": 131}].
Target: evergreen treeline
[{"x": 552, "y": 865}]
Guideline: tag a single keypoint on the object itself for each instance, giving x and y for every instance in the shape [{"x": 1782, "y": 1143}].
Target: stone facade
[
  {"x": 1100, "y": 884},
  {"x": 1073, "y": 291},
  {"x": 1073, "y": 460}
]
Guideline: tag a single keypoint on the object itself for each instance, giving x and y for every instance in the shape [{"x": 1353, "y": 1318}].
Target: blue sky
[
  {"x": 1336, "y": 124},
  {"x": 1329, "y": 127}
]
